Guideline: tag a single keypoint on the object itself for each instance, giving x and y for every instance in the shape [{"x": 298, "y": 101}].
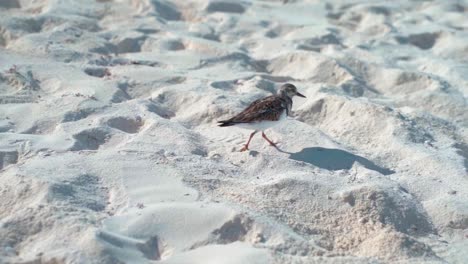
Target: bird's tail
[{"x": 225, "y": 123}]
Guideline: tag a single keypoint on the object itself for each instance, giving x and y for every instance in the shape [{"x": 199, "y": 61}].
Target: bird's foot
[
  {"x": 269, "y": 141},
  {"x": 246, "y": 147}
]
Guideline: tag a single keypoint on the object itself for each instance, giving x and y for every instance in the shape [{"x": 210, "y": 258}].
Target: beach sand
[{"x": 110, "y": 151}]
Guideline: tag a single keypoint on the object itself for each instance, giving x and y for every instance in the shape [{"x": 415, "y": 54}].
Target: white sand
[{"x": 110, "y": 153}]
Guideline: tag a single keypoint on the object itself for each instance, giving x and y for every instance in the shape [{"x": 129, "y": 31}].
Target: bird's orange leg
[
  {"x": 267, "y": 139},
  {"x": 246, "y": 146}
]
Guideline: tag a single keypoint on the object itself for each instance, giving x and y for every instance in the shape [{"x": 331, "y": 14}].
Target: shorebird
[{"x": 264, "y": 113}]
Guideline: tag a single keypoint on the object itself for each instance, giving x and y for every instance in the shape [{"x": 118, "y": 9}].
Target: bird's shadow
[{"x": 334, "y": 159}]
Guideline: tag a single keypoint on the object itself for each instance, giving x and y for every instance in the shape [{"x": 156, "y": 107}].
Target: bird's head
[{"x": 289, "y": 90}]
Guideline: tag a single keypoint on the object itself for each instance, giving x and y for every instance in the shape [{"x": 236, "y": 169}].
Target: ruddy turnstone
[{"x": 264, "y": 113}]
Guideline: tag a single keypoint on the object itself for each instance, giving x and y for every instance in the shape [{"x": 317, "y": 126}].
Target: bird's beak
[{"x": 299, "y": 94}]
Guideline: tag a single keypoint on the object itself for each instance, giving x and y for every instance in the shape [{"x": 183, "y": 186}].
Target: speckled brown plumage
[{"x": 267, "y": 109}]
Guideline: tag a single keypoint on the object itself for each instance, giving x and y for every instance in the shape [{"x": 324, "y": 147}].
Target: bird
[{"x": 264, "y": 113}]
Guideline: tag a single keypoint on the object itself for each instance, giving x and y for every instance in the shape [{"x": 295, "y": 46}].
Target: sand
[{"x": 110, "y": 152}]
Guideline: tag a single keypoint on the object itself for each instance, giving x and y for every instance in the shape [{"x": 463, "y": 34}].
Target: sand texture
[{"x": 110, "y": 151}]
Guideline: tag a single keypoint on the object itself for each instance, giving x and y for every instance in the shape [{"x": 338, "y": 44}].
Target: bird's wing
[{"x": 269, "y": 108}]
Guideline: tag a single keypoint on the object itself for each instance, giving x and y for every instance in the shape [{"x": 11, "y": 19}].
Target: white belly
[{"x": 262, "y": 125}]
